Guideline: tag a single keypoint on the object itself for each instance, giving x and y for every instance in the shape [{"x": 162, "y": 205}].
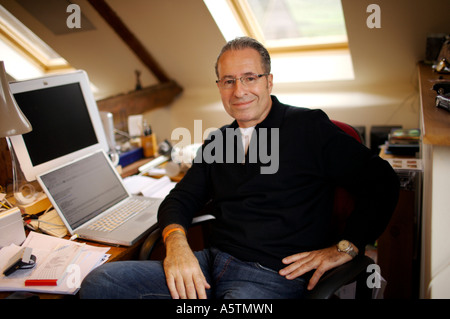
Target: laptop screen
[{"x": 85, "y": 188}]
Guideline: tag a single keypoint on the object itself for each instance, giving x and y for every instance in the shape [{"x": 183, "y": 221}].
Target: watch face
[{"x": 343, "y": 245}]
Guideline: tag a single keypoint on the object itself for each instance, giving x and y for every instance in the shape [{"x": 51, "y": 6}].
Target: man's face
[{"x": 250, "y": 104}]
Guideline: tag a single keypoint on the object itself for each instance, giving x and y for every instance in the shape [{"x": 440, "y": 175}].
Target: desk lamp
[{"x": 12, "y": 122}]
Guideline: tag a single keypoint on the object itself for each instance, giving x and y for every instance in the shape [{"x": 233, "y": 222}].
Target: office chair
[{"x": 330, "y": 282}]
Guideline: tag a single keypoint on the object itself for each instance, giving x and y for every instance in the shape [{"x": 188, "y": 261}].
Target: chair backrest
[
  {"x": 344, "y": 202},
  {"x": 350, "y": 130}
]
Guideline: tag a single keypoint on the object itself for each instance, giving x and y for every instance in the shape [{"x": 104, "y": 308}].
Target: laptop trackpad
[{"x": 145, "y": 217}]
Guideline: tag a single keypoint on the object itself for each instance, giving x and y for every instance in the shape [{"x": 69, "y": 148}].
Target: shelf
[{"x": 435, "y": 121}]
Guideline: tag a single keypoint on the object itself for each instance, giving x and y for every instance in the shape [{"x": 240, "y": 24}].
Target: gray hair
[{"x": 241, "y": 43}]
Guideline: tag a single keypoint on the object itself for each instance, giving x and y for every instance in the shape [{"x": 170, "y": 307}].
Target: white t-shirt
[{"x": 246, "y": 136}]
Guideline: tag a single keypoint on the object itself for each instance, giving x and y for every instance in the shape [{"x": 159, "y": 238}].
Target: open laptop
[{"x": 85, "y": 191}]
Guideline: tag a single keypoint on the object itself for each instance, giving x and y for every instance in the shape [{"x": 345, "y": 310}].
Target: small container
[{"x": 148, "y": 141}]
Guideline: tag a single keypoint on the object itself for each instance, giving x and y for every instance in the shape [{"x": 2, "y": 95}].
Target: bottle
[{"x": 148, "y": 141}]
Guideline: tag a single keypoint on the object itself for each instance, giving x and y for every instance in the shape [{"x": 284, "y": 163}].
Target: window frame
[
  {"x": 25, "y": 43},
  {"x": 250, "y": 26}
]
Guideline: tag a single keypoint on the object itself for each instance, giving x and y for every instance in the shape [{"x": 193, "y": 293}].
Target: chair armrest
[
  {"x": 155, "y": 236},
  {"x": 341, "y": 276},
  {"x": 149, "y": 244}
]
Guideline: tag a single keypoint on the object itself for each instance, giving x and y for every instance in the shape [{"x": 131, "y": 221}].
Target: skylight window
[
  {"x": 289, "y": 25},
  {"x": 306, "y": 35},
  {"x": 25, "y": 55}
]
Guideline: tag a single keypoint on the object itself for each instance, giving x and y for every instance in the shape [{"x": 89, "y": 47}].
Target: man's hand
[
  {"x": 320, "y": 260},
  {"x": 184, "y": 276}
]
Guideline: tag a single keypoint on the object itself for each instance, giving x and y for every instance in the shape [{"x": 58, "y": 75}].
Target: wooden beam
[
  {"x": 139, "y": 101},
  {"x": 129, "y": 38}
]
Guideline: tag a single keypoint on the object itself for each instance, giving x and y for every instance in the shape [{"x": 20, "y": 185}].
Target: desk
[{"x": 117, "y": 252}]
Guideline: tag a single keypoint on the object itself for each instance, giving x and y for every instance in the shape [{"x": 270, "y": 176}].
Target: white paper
[
  {"x": 42, "y": 245},
  {"x": 135, "y": 125},
  {"x": 149, "y": 186}
]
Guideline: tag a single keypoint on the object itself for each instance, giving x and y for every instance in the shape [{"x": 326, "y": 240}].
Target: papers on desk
[
  {"x": 149, "y": 186},
  {"x": 61, "y": 265}
]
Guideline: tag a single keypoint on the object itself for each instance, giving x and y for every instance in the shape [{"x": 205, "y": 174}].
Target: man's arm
[
  {"x": 373, "y": 183},
  {"x": 184, "y": 276}
]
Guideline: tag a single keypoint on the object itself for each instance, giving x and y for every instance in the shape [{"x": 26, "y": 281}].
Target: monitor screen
[{"x": 65, "y": 120}]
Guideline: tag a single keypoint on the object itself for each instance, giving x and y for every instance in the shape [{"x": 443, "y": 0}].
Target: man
[{"x": 271, "y": 237}]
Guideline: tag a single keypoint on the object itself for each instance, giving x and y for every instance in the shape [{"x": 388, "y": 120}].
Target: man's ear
[{"x": 270, "y": 82}]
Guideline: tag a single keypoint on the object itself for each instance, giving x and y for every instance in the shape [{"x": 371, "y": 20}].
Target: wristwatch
[{"x": 344, "y": 246}]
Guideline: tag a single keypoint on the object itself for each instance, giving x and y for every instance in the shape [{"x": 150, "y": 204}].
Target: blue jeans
[{"x": 229, "y": 278}]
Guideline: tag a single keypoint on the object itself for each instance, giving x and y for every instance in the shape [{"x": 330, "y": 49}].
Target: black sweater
[{"x": 266, "y": 217}]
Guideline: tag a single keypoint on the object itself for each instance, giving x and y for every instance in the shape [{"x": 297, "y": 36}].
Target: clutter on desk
[
  {"x": 403, "y": 142},
  {"x": 60, "y": 264},
  {"x": 140, "y": 129},
  {"x": 442, "y": 99},
  {"x": 443, "y": 60},
  {"x": 23, "y": 259},
  {"x": 148, "y": 141},
  {"x": 139, "y": 142},
  {"x": 438, "y": 52},
  {"x": 49, "y": 223},
  {"x": 131, "y": 156},
  {"x": 38, "y": 205},
  {"x": 149, "y": 186}
]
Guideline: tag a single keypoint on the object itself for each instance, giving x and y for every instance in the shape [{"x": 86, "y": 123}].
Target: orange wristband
[{"x": 179, "y": 229}]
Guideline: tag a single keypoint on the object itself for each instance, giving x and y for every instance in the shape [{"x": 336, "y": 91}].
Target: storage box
[
  {"x": 12, "y": 230},
  {"x": 130, "y": 157}
]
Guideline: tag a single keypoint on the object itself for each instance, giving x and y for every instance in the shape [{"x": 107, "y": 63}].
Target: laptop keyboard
[{"x": 121, "y": 214}]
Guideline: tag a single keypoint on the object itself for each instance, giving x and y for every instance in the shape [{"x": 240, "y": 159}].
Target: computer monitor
[{"x": 65, "y": 120}]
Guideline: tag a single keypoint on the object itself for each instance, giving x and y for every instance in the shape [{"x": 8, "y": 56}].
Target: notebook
[{"x": 87, "y": 191}]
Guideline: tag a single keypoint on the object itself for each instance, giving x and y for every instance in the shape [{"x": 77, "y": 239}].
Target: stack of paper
[
  {"x": 149, "y": 186},
  {"x": 53, "y": 270},
  {"x": 61, "y": 265}
]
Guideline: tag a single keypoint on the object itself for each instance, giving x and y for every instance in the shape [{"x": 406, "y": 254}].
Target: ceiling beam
[
  {"x": 139, "y": 101},
  {"x": 129, "y": 38}
]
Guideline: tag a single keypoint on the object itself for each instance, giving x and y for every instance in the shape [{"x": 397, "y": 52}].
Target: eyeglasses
[{"x": 247, "y": 80}]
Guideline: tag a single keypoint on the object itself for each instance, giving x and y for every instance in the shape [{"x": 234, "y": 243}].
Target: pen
[{"x": 75, "y": 236}]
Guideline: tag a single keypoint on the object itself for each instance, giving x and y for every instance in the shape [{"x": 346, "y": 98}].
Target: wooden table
[{"x": 117, "y": 253}]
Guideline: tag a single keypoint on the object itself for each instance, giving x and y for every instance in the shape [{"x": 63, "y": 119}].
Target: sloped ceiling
[
  {"x": 183, "y": 38},
  {"x": 181, "y": 35}
]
